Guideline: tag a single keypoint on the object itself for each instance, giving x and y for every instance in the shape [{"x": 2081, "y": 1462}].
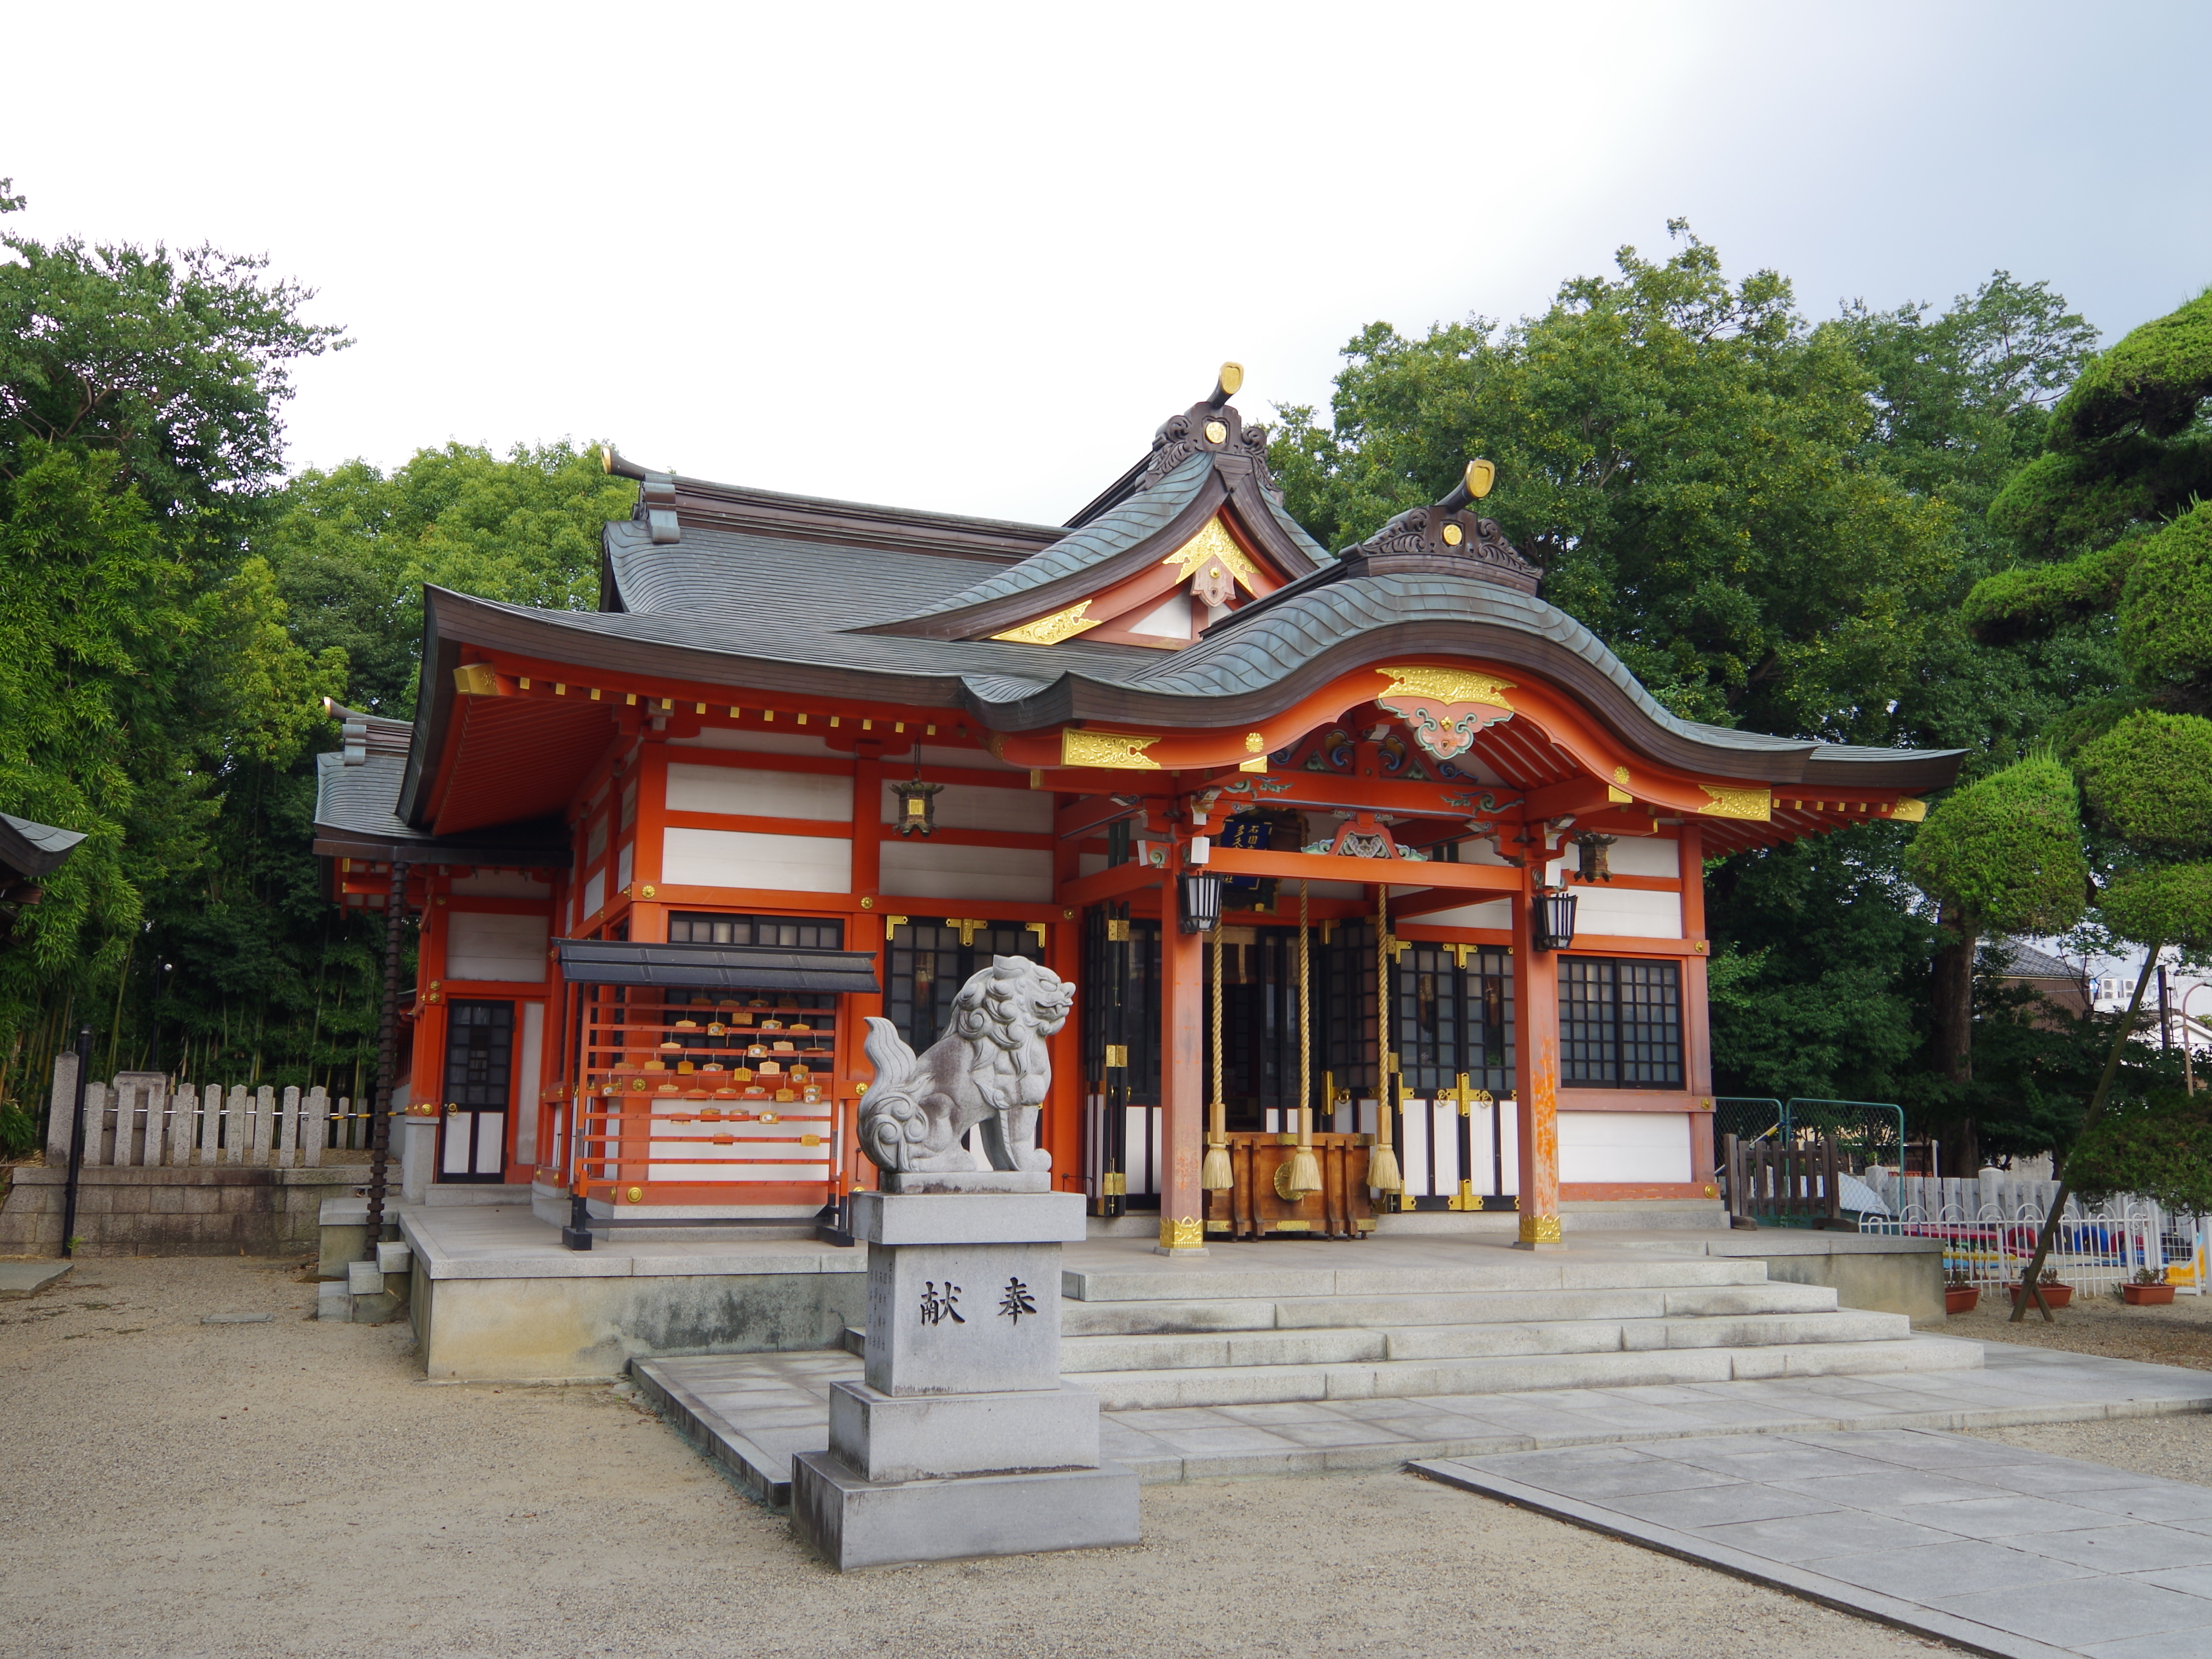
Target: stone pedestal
[
  {"x": 418, "y": 1154},
  {"x": 962, "y": 1440}
]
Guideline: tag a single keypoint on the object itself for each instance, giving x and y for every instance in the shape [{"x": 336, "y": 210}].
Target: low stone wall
[
  {"x": 1870, "y": 1271},
  {"x": 197, "y": 1210}
]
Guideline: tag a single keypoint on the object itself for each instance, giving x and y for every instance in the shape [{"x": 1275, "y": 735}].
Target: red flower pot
[
  {"x": 2054, "y": 1296},
  {"x": 2147, "y": 1296},
  {"x": 1960, "y": 1298}
]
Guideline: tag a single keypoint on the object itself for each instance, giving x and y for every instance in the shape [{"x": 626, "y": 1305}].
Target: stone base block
[
  {"x": 852, "y": 1522},
  {"x": 891, "y": 1438}
]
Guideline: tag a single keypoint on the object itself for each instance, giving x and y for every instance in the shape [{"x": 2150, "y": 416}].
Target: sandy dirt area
[
  {"x": 168, "y": 1487},
  {"x": 2178, "y": 1333}
]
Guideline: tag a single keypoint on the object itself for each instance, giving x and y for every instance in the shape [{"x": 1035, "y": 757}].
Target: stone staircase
[{"x": 1264, "y": 1335}]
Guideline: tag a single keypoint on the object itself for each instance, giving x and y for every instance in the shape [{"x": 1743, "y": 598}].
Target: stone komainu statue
[{"x": 988, "y": 1072}]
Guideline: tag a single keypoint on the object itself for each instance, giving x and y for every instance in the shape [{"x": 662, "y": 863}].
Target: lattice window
[
  {"x": 479, "y": 1053},
  {"x": 1621, "y": 1024},
  {"x": 1453, "y": 1019},
  {"x": 785, "y": 932}
]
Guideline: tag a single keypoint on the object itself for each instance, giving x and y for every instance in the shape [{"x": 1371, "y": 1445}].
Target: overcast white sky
[{"x": 967, "y": 256}]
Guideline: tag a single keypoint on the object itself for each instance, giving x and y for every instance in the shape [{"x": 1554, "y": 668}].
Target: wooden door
[{"x": 479, "y": 1090}]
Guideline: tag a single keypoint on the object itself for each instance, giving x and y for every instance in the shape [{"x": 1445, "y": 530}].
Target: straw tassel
[
  {"x": 1381, "y": 1162},
  {"x": 1214, "y": 1174},
  {"x": 1301, "y": 1174}
]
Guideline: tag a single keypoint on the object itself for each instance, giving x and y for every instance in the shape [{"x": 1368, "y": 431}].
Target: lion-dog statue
[{"x": 989, "y": 1072}]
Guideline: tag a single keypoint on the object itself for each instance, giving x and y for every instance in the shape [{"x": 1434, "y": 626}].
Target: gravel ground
[
  {"x": 2178, "y": 1333},
  {"x": 2172, "y": 1448},
  {"x": 172, "y": 1487}
]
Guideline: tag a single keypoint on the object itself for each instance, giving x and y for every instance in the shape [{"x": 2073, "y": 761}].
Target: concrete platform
[
  {"x": 1996, "y": 1549},
  {"x": 496, "y": 1297},
  {"x": 753, "y": 1414}
]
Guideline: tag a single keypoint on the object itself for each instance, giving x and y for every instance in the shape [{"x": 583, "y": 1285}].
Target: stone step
[
  {"x": 1507, "y": 1273},
  {"x": 1086, "y": 1355},
  {"x": 1252, "y": 1385},
  {"x": 1657, "y": 1302}
]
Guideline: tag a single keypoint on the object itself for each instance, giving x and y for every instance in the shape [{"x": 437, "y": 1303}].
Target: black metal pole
[
  {"x": 76, "y": 1141},
  {"x": 387, "y": 1057}
]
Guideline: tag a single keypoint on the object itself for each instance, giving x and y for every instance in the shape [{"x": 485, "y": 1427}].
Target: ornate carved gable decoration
[
  {"x": 1167, "y": 601},
  {"x": 1446, "y": 539},
  {"x": 1445, "y": 707},
  {"x": 1205, "y": 427}
]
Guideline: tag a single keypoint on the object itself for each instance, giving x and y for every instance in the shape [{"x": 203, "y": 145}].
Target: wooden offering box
[{"x": 1253, "y": 1209}]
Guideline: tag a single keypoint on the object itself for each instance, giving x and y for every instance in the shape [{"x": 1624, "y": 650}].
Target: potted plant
[
  {"x": 1960, "y": 1294},
  {"x": 2055, "y": 1295},
  {"x": 2149, "y": 1289}
]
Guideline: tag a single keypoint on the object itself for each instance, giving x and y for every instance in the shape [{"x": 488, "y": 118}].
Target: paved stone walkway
[
  {"x": 753, "y": 1411},
  {"x": 2000, "y": 1550}
]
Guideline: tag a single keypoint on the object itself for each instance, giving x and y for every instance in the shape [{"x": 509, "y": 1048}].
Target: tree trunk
[{"x": 1954, "y": 991}]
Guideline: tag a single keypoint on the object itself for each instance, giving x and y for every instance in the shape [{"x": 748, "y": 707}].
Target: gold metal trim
[
  {"x": 1036, "y": 927},
  {"x": 1446, "y": 685},
  {"x": 1183, "y": 1235},
  {"x": 1735, "y": 801},
  {"x": 1051, "y": 630},
  {"x": 1910, "y": 811},
  {"x": 1213, "y": 541},
  {"x": 1539, "y": 1229},
  {"x": 1120, "y": 750},
  {"x": 477, "y": 679},
  {"x": 1117, "y": 1057}
]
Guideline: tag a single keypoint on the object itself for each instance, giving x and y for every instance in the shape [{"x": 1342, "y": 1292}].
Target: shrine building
[{"x": 1378, "y": 833}]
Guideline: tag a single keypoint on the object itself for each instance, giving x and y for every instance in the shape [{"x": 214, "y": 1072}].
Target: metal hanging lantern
[
  {"x": 917, "y": 813},
  {"x": 1555, "y": 919},
  {"x": 1201, "y": 901}
]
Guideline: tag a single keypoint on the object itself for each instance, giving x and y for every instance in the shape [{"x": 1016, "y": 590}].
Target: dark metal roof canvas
[
  {"x": 33, "y": 849},
  {"x": 747, "y": 591},
  {"x": 715, "y": 967}
]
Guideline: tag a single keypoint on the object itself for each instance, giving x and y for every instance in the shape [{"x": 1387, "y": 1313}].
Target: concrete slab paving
[
  {"x": 1987, "y": 1545},
  {"x": 29, "y": 1278},
  {"x": 752, "y": 1411}
]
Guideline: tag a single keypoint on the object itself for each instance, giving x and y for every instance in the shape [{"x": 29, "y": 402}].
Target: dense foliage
[
  {"x": 1774, "y": 523},
  {"x": 172, "y": 615}
]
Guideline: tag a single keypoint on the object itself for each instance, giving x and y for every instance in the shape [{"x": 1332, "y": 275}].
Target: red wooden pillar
[
  {"x": 1060, "y": 1129},
  {"x": 1536, "y": 1067},
  {"x": 427, "y": 1079},
  {"x": 1183, "y": 1079},
  {"x": 1696, "y": 1027},
  {"x": 648, "y": 920}
]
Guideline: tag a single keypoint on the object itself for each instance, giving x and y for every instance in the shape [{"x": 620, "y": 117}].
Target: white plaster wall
[
  {"x": 1642, "y": 855},
  {"x": 481, "y": 945},
  {"x": 745, "y": 858},
  {"x": 1602, "y": 909},
  {"x": 1492, "y": 913},
  {"x": 1624, "y": 1146},
  {"x": 504, "y": 883},
  {"x": 526, "y": 1094},
  {"x": 742, "y": 792},
  {"x": 756, "y": 743},
  {"x": 595, "y": 893},
  {"x": 623, "y": 865},
  {"x": 925, "y": 869},
  {"x": 971, "y": 807}
]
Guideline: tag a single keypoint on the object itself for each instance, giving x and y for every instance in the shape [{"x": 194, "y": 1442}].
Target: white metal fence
[
  {"x": 141, "y": 1119},
  {"x": 2095, "y": 1249}
]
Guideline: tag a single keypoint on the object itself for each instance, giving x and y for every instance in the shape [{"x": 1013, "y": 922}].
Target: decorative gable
[{"x": 1169, "y": 601}]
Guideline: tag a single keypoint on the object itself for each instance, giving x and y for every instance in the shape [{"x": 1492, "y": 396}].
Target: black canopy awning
[{"x": 715, "y": 967}]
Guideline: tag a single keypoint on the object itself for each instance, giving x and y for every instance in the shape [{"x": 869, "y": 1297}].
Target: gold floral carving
[
  {"x": 1111, "y": 749},
  {"x": 1539, "y": 1229},
  {"x": 1213, "y": 542},
  {"x": 1909, "y": 811},
  {"x": 1731, "y": 801},
  {"x": 1447, "y": 686},
  {"x": 1051, "y": 630}
]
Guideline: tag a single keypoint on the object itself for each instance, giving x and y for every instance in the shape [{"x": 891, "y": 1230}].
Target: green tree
[
  {"x": 146, "y": 673},
  {"x": 352, "y": 548},
  {"x": 2142, "y": 757}
]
